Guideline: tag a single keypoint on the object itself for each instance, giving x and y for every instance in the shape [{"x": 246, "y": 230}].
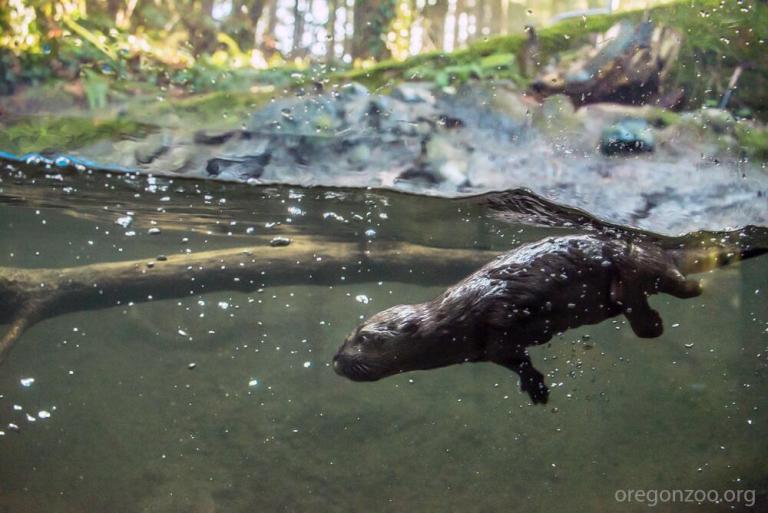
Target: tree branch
[{"x": 30, "y": 295}]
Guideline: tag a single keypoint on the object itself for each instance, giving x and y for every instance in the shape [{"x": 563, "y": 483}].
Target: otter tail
[
  {"x": 703, "y": 251},
  {"x": 692, "y": 253}
]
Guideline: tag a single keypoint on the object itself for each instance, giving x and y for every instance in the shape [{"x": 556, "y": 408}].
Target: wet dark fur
[{"x": 522, "y": 298}]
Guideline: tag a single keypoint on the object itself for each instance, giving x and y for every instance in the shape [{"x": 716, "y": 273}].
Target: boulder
[{"x": 630, "y": 135}]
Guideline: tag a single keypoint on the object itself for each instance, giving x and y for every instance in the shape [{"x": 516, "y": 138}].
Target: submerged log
[{"x": 31, "y": 295}]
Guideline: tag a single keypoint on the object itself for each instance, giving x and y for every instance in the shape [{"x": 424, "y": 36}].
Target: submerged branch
[
  {"x": 30, "y": 295},
  {"x": 26, "y": 317}
]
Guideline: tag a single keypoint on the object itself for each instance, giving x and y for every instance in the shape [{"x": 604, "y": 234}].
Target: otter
[{"x": 525, "y": 297}]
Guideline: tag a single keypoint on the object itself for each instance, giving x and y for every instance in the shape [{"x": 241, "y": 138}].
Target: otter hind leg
[
  {"x": 675, "y": 284},
  {"x": 531, "y": 380},
  {"x": 645, "y": 321}
]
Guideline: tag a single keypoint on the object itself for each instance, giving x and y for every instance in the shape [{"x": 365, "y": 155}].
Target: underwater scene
[
  {"x": 407, "y": 256},
  {"x": 226, "y": 401}
]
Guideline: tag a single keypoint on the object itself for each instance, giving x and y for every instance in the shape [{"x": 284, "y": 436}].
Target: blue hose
[{"x": 62, "y": 162}]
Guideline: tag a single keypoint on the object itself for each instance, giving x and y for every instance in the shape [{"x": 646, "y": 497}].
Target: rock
[
  {"x": 360, "y": 154},
  {"x": 352, "y": 90},
  {"x": 296, "y": 117},
  {"x": 512, "y": 104},
  {"x": 414, "y": 92},
  {"x": 239, "y": 168},
  {"x": 631, "y": 135},
  {"x": 557, "y": 107},
  {"x": 213, "y": 137},
  {"x": 557, "y": 117},
  {"x": 119, "y": 153},
  {"x": 152, "y": 147},
  {"x": 174, "y": 160},
  {"x": 419, "y": 174},
  {"x": 440, "y": 148},
  {"x": 454, "y": 172},
  {"x": 719, "y": 120}
]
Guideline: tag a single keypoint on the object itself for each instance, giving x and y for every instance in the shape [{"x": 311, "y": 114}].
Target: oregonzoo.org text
[{"x": 653, "y": 497}]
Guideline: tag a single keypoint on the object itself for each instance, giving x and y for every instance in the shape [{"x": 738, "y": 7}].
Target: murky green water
[{"x": 262, "y": 423}]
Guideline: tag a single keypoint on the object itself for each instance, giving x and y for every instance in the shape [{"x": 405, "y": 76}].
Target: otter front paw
[
  {"x": 531, "y": 380},
  {"x": 536, "y": 389}
]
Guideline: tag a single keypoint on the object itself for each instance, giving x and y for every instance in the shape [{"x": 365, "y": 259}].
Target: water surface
[{"x": 262, "y": 423}]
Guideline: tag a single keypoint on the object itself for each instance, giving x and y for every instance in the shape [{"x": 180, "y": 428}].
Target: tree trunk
[
  {"x": 330, "y": 38},
  {"x": 298, "y": 28},
  {"x": 349, "y": 19},
  {"x": 246, "y": 37},
  {"x": 268, "y": 43},
  {"x": 434, "y": 24},
  {"x": 371, "y": 22},
  {"x": 481, "y": 19},
  {"x": 113, "y": 8},
  {"x": 456, "y": 28},
  {"x": 30, "y": 295}
]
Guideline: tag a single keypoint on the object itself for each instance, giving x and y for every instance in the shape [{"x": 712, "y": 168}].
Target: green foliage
[
  {"x": 502, "y": 65},
  {"x": 96, "y": 89},
  {"x": 717, "y": 38},
  {"x": 753, "y": 140}
]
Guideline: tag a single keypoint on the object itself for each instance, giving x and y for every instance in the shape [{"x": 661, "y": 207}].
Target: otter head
[{"x": 388, "y": 343}]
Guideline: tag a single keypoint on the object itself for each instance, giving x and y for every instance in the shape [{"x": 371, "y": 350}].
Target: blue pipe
[{"x": 62, "y": 161}]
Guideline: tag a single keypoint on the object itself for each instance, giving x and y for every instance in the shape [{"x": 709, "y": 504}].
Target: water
[{"x": 226, "y": 402}]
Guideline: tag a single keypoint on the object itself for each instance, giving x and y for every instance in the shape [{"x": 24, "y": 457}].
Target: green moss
[
  {"x": 753, "y": 140},
  {"x": 217, "y": 103},
  {"x": 39, "y": 133},
  {"x": 56, "y": 134},
  {"x": 661, "y": 118}
]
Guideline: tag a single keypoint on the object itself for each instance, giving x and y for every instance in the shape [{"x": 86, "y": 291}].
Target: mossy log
[{"x": 31, "y": 295}]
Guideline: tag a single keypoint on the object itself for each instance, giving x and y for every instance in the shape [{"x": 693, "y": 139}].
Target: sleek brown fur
[{"x": 523, "y": 298}]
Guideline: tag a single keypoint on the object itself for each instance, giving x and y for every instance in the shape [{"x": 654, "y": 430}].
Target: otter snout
[
  {"x": 352, "y": 367},
  {"x": 353, "y": 362}
]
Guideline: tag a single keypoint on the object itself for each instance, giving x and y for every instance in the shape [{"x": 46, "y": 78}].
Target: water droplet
[
  {"x": 27, "y": 382},
  {"x": 362, "y": 298},
  {"x": 279, "y": 241},
  {"x": 124, "y": 221}
]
